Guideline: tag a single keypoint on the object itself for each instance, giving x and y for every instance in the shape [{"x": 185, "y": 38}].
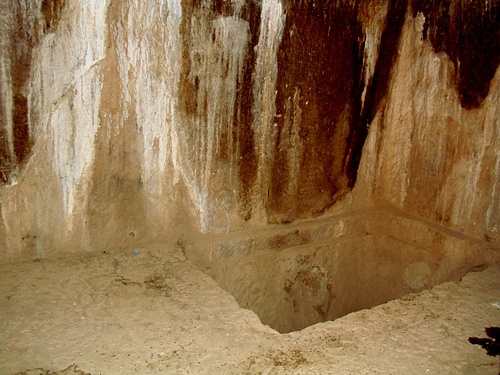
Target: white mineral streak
[
  {"x": 174, "y": 66},
  {"x": 150, "y": 58},
  {"x": 6, "y": 99},
  {"x": 126, "y": 35},
  {"x": 217, "y": 54},
  {"x": 264, "y": 80},
  {"x": 69, "y": 86},
  {"x": 231, "y": 38}
]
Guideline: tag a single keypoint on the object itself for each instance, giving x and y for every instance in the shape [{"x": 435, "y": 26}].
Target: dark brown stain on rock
[
  {"x": 321, "y": 75},
  {"x": 469, "y": 33},
  {"x": 244, "y": 115},
  {"x": 22, "y": 47},
  {"x": 5, "y": 158},
  {"x": 295, "y": 238},
  {"x": 320, "y": 60},
  {"x": 51, "y": 12},
  {"x": 21, "y": 133},
  {"x": 222, "y": 7},
  {"x": 14, "y": 151}
]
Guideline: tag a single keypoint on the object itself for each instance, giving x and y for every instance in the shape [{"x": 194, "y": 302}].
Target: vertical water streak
[
  {"x": 6, "y": 95},
  {"x": 225, "y": 73},
  {"x": 217, "y": 55},
  {"x": 75, "y": 121},
  {"x": 173, "y": 21},
  {"x": 264, "y": 80},
  {"x": 154, "y": 53},
  {"x": 70, "y": 100}
]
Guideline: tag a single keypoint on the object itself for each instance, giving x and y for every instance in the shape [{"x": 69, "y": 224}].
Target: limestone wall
[{"x": 124, "y": 122}]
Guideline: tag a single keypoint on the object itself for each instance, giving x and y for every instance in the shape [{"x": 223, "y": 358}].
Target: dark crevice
[{"x": 362, "y": 115}]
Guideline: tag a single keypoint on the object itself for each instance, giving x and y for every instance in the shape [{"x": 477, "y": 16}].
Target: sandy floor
[{"x": 155, "y": 313}]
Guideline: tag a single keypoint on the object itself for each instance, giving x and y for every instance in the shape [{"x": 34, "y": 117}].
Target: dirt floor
[{"x": 156, "y": 313}]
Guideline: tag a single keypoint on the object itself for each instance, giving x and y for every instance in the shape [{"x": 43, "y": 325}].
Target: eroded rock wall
[
  {"x": 141, "y": 121},
  {"x": 434, "y": 150}
]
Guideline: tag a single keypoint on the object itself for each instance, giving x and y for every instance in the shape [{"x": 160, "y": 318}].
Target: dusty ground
[{"x": 155, "y": 313}]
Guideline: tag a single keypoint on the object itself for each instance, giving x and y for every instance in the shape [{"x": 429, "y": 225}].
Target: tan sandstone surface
[
  {"x": 155, "y": 313},
  {"x": 301, "y": 159}
]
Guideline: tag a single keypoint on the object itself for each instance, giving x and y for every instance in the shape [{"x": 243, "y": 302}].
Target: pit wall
[
  {"x": 161, "y": 120},
  {"x": 300, "y": 274}
]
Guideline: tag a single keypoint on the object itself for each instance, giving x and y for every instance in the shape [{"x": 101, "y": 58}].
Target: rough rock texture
[
  {"x": 323, "y": 269},
  {"x": 126, "y": 122},
  {"x": 118, "y": 313}
]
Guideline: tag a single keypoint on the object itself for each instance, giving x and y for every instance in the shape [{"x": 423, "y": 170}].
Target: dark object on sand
[{"x": 491, "y": 345}]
